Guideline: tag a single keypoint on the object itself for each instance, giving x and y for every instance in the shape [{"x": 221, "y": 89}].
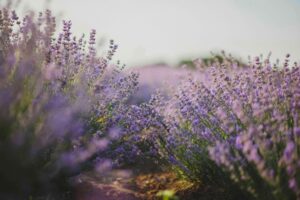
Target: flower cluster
[
  {"x": 57, "y": 97},
  {"x": 263, "y": 156},
  {"x": 237, "y": 126}
]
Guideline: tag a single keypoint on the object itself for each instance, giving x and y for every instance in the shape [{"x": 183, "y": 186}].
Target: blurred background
[{"x": 170, "y": 31}]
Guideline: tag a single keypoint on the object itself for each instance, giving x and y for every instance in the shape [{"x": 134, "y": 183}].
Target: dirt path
[
  {"x": 91, "y": 190},
  {"x": 114, "y": 187}
]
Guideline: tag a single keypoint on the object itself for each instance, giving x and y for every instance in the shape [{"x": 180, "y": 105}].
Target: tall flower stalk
[{"x": 55, "y": 98}]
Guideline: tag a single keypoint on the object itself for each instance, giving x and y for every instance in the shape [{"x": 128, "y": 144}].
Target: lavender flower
[{"x": 54, "y": 95}]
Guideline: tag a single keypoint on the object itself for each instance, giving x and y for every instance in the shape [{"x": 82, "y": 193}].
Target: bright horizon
[{"x": 171, "y": 30}]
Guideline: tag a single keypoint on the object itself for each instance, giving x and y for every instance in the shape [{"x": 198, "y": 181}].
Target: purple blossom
[{"x": 50, "y": 109}]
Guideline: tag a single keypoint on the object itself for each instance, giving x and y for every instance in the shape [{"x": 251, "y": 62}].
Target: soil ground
[{"x": 123, "y": 185}]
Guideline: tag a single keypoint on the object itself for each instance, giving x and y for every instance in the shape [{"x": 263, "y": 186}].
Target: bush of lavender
[
  {"x": 53, "y": 109},
  {"x": 189, "y": 128},
  {"x": 236, "y": 128},
  {"x": 263, "y": 157}
]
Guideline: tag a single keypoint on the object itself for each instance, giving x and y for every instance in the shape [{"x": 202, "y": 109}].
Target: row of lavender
[
  {"x": 65, "y": 110},
  {"x": 236, "y": 127},
  {"x": 60, "y": 105}
]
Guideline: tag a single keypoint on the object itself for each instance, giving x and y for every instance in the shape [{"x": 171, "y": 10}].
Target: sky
[{"x": 151, "y": 31}]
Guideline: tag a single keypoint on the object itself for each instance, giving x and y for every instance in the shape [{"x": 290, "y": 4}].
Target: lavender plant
[
  {"x": 236, "y": 128},
  {"x": 263, "y": 156},
  {"x": 189, "y": 128},
  {"x": 56, "y": 99}
]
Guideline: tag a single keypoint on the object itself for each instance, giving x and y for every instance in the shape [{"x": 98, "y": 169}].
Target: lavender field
[{"x": 79, "y": 124}]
